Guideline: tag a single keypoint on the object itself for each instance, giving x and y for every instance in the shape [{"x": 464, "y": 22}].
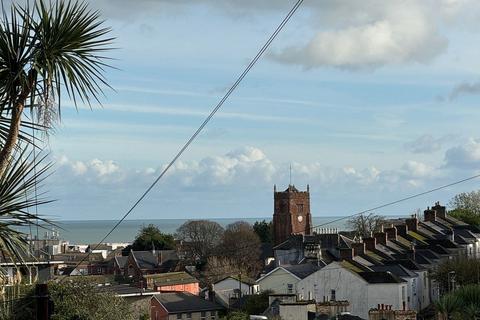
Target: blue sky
[{"x": 368, "y": 101}]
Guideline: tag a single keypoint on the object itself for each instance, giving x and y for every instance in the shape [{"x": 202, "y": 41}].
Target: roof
[
  {"x": 170, "y": 278},
  {"x": 293, "y": 242},
  {"x": 125, "y": 290},
  {"x": 246, "y": 280},
  {"x": 302, "y": 270},
  {"x": 395, "y": 269},
  {"x": 176, "y": 302},
  {"x": 380, "y": 277},
  {"x": 145, "y": 259},
  {"x": 121, "y": 261}
]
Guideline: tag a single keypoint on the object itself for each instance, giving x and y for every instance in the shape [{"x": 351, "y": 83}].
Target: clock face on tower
[{"x": 300, "y": 218}]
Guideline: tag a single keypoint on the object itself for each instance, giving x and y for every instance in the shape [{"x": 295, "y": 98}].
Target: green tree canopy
[
  {"x": 79, "y": 300},
  {"x": 264, "y": 231},
  {"x": 150, "y": 237}
]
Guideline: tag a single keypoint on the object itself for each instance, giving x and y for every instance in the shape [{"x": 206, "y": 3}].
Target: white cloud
[
  {"x": 465, "y": 156},
  {"x": 426, "y": 144},
  {"x": 386, "y": 32},
  {"x": 417, "y": 169}
]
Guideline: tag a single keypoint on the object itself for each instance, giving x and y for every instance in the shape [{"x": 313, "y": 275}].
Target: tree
[
  {"x": 462, "y": 304},
  {"x": 466, "y": 216},
  {"x": 467, "y": 271},
  {"x": 77, "y": 300},
  {"x": 200, "y": 238},
  {"x": 217, "y": 268},
  {"x": 17, "y": 195},
  {"x": 45, "y": 48},
  {"x": 242, "y": 245},
  {"x": 365, "y": 225},
  {"x": 150, "y": 237},
  {"x": 469, "y": 201},
  {"x": 264, "y": 231}
]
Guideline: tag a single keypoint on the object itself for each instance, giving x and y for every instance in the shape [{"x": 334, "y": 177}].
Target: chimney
[
  {"x": 381, "y": 237},
  {"x": 430, "y": 215},
  {"x": 346, "y": 253},
  {"x": 358, "y": 248},
  {"x": 391, "y": 233},
  {"x": 370, "y": 243},
  {"x": 402, "y": 229},
  {"x": 412, "y": 223},
  {"x": 441, "y": 210}
]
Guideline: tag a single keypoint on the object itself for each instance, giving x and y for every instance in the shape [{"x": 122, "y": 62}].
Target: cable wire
[
  {"x": 399, "y": 200},
  {"x": 205, "y": 122}
]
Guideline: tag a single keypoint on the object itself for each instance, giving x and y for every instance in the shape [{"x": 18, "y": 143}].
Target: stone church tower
[{"x": 291, "y": 213}]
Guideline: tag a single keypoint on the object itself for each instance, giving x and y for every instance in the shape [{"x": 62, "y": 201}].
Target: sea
[{"x": 92, "y": 231}]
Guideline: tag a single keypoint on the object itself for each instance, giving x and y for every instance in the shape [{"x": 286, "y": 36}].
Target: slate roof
[
  {"x": 176, "y": 302},
  {"x": 125, "y": 290},
  {"x": 396, "y": 269},
  {"x": 121, "y": 261},
  {"x": 380, "y": 277},
  {"x": 302, "y": 270},
  {"x": 407, "y": 263},
  {"x": 145, "y": 259}
]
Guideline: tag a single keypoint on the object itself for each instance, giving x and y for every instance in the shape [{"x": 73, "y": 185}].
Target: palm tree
[{"x": 45, "y": 49}]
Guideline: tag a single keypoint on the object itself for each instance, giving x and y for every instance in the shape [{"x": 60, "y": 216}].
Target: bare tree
[
  {"x": 365, "y": 225},
  {"x": 200, "y": 239},
  {"x": 242, "y": 245},
  {"x": 218, "y": 268}
]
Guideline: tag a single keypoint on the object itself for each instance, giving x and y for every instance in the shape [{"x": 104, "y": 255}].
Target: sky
[{"x": 368, "y": 101}]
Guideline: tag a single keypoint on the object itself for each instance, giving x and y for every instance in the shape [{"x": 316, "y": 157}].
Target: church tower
[{"x": 291, "y": 213}]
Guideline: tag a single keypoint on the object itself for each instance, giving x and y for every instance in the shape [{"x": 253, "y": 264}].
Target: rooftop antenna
[{"x": 290, "y": 174}]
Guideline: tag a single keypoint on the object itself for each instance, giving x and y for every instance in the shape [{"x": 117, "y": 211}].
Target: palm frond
[
  {"x": 17, "y": 196},
  {"x": 71, "y": 40}
]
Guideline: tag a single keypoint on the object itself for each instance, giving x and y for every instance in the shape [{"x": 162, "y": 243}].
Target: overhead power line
[
  {"x": 204, "y": 123},
  {"x": 399, "y": 200}
]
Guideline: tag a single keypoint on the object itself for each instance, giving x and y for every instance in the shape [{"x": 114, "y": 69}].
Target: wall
[
  {"x": 350, "y": 287},
  {"x": 296, "y": 311},
  {"x": 224, "y": 289},
  {"x": 195, "y": 316},
  {"x": 292, "y": 256},
  {"x": 387, "y": 294},
  {"x": 188, "y": 287},
  {"x": 277, "y": 281},
  {"x": 157, "y": 311}
]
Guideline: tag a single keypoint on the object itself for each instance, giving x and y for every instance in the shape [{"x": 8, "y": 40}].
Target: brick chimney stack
[
  {"x": 391, "y": 233},
  {"x": 441, "y": 210},
  {"x": 412, "y": 223},
  {"x": 358, "y": 248},
  {"x": 402, "y": 229},
  {"x": 370, "y": 243},
  {"x": 346, "y": 253},
  {"x": 381, "y": 237},
  {"x": 430, "y": 215}
]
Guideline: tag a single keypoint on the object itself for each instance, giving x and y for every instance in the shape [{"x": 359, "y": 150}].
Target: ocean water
[{"x": 92, "y": 231}]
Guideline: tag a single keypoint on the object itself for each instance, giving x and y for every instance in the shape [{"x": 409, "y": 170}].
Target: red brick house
[
  {"x": 172, "y": 282},
  {"x": 180, "y": 305}
]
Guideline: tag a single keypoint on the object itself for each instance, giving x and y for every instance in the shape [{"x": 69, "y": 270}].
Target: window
[
  {"x": 289, "y": 288},
  {"x": 179, "y": 316},
  {"x": 300, "y": 208},
  {"x": 403, "y": 293},
  {"x": 333, "y": 295},
  {"x": 189, "y": 315},
  {"x": 213, "y": 315},
  {"x": 203, "y": 315}
]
